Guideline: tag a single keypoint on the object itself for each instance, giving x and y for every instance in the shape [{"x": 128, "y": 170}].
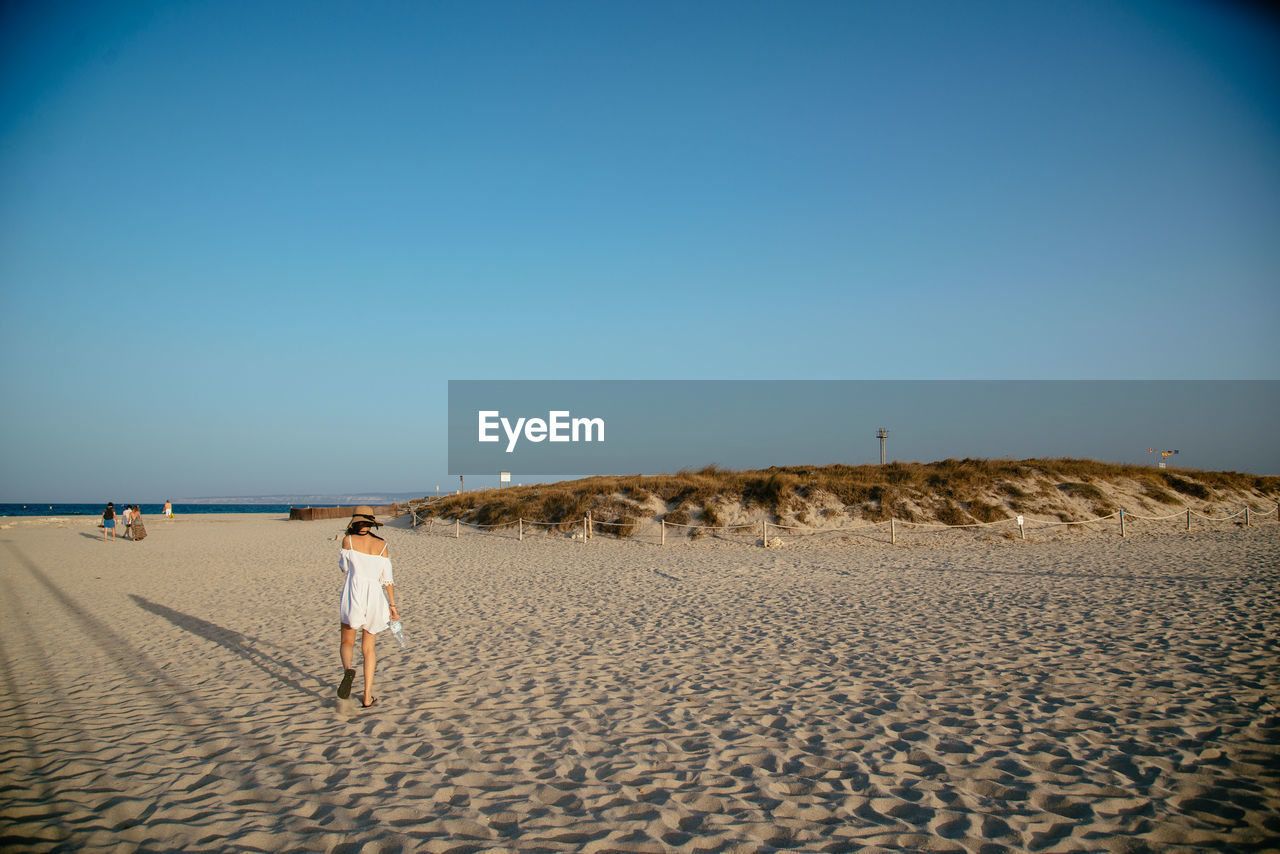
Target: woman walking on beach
[
  {"x": 137, "y": 530},
  {"x": 363, "y": 607}
]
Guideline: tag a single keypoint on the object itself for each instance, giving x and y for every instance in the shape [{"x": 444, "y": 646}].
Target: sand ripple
[{"x": 1092, "y": 696}]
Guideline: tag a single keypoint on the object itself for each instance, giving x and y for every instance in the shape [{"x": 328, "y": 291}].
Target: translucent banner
[{"x": 584, "y": 427}]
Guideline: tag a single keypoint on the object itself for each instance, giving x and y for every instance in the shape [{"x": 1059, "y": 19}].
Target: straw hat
[{"x": 364, "y": 513}]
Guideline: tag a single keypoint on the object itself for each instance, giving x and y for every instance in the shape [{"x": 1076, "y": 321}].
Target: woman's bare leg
[
  {"x": 347, "y": 646},
  {"x": 366, "y": 648}
]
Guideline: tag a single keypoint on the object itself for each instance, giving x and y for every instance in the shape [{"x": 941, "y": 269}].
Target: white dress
[{"x": 363, "y": 605}]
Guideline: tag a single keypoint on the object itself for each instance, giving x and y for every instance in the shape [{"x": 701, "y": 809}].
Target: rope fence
[{"x": 1248, "y": 517}]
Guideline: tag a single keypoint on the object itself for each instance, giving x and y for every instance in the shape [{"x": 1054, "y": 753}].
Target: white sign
[{"x": 504, "y": 477}]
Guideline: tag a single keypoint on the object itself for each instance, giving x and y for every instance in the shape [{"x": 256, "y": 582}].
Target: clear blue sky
[{"x": 243, "y": 246}]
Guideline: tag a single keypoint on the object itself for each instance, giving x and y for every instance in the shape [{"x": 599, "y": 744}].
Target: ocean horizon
[{"x": 239, "y": 504}]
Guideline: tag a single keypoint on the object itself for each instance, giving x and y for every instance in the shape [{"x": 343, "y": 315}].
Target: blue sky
[{"x": 244, "y": 246}]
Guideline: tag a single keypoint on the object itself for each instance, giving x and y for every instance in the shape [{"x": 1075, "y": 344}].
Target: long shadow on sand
[
  {"x": 248, "y": 648},
  {"x": 252, "y": 763},
  {"x": 98, "y": 536}
]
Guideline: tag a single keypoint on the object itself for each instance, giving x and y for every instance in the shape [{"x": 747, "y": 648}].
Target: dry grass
[
  {"x": 677, "y": 517},
  {"x": 1188, "y": 487},
  {"x": 1155, "y": 491},
  {"x": 1095, "y": 497},
  {"x": 950, "y": 491}
]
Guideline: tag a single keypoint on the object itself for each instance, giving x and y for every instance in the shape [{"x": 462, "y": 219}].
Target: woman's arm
[{"x": 391, "y": 600}]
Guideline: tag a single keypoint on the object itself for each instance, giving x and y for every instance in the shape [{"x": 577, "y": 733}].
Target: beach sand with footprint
[{"x": 1094, "y": 694}]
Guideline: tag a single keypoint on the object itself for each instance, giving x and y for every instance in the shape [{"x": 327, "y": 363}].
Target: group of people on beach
[{"x": 130, "y": 519}]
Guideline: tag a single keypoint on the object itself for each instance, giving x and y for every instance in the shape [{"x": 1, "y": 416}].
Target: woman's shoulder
[{"x": 370, "y": 544}]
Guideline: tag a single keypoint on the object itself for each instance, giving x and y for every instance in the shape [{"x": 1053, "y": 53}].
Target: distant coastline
[
  {"x": 46, "y": 508},
  {"x": 226, "y": 504}
]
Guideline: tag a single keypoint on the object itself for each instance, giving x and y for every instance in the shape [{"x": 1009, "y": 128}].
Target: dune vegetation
[{"x": 952, "y": 492}]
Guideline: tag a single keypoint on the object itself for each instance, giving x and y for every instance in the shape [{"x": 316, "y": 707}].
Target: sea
[
  {"x": 47, "y": 509},
  {"x": 277, "y": 504}
]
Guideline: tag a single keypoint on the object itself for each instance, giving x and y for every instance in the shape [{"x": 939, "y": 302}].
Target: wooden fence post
[
  {"x": 522, "y": 530},
  {"x": 1188, "y": 518},
  {"x": 893, "y": 532},
  {"x": 1246, "y": 515},
  {"x": 456, "y": 524},
  {"x": 664, "y": 532},
  {"x": 591, "y": 528},
  {"x": 1122, "y": 523},
  {"x": 586, "y": 525},
  {"x": 764, "y": 533}
]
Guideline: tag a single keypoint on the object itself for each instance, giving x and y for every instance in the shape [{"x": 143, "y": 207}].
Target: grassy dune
[{"x": 951, "y": 492}]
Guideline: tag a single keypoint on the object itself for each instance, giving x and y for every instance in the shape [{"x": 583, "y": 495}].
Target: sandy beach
[{"x": 1077, "y": 694}]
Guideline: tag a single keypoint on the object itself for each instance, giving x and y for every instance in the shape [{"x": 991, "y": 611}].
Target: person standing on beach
[
  {"x": 168, "y": 509},
  {"x": 109, "y": 521},
  {"x": 128, "y": 521},
  {"x": 363, "y": 606}
]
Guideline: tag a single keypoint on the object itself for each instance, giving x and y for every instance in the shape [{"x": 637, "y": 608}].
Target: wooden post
[
  {"x": 1122, "y": 523},
  {"x": 664, "y": 532},
  {"x": 586, "y": 524},
  {"x": 522, "y": 530},
  {"x": 893, "y": 532},
  {"x": 591, "y": 526},
  {"x": 1246, "y": 515},
  {"x": 764, "y": 533},
  {"x": 1021, "y": 529},
  {"x": 1188, "y": 518},
  {"x": 456, "y": 524}
]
